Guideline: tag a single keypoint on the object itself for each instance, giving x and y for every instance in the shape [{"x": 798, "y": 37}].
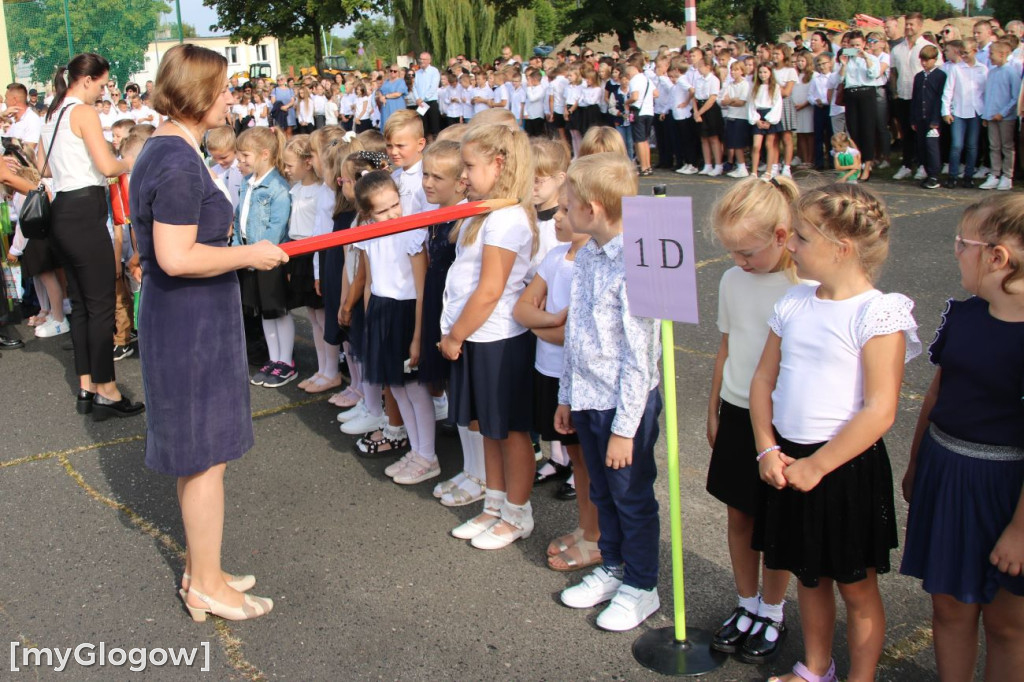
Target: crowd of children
[{"x": 517, "y": 323}]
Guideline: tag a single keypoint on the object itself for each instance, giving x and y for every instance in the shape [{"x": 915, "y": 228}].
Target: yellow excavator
[{"x": 861, "y": 21}]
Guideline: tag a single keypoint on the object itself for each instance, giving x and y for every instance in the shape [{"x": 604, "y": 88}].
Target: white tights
[
  {"x": 472, "y": 453},
  {"x": 326, "y": 354},
  {"x": 280, "y": 335},
  {"x": 417, "y": 408}
]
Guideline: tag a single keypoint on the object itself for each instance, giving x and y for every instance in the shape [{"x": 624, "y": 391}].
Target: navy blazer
[{"x": 925, "y": 103}]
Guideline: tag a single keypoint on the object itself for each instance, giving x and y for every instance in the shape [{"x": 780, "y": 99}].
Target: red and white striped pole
[{"x": 690, "y": 14}]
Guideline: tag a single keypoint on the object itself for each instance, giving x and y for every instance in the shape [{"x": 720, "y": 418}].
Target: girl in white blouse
[{"x": 824, "y": 393}]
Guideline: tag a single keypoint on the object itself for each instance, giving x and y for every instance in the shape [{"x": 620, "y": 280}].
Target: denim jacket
[{"x": 269, "y": 212}]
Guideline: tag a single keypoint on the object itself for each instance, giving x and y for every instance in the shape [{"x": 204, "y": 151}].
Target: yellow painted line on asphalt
[
  {"x": 907, "y": 647},
  {"x": 259, "y": 414},
  {"x": 231, "y": 644},
  {"x": 691, "y": 351}
]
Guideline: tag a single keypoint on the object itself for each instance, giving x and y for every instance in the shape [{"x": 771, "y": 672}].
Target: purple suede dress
[{"x": 191, "y": 340}]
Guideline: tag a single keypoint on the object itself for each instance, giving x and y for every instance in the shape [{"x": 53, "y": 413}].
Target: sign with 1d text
[{"x": 657, "y": 242}]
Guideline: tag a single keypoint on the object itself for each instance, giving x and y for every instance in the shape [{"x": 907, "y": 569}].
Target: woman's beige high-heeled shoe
[
  {"x": 252, "y": 607},
  {"x": 242, "y": 583}
]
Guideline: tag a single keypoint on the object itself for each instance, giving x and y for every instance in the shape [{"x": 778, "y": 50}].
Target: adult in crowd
[
  {"x": 425, "y": 86},
  {"x": 282, "y": 112},
  {"x": 190, "y": 322},
  {"x": 893, "y": 34},
  {"x": 905, "y": 58},
  {"x": 20, "y": 184},
  {"x": 80, "y": 161},
  {"x": 391, "y": 94},
  {"x": 860, "y": 71},
  {"x": 25, "y": 122}
]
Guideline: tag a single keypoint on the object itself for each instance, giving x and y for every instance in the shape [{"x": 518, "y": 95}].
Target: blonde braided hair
[{"x": 844, "y": 211}]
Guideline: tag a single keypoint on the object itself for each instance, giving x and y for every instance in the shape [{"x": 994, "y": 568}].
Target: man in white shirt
[
  {"x": 641, "y": 107},
  {"x": 426, "y": 84},
  {"x": 25, "y": 123},
  {"x": 906, "y": 61}
]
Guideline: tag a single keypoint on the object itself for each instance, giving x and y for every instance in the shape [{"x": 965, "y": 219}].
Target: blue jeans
[
  {"x": 964, "y": 133},
  {"x": 627, "y": 511},
  {"x": 627, "y": 137}
]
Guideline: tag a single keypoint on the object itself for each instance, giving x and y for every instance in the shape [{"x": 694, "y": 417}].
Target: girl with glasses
[{"x": 965, "y": 531}]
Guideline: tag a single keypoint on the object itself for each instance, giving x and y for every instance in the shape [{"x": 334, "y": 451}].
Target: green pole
[
  {"x": 181, "y": 29},
  {"x": 67, "y": 27},
  {"x": 668, "y": 363}
]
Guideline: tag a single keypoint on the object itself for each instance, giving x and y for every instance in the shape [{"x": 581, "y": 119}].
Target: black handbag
[{"x": 34, "y": 217}]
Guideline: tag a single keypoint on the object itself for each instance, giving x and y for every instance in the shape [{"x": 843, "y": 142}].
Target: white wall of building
[{"x": 239, "y": 55}]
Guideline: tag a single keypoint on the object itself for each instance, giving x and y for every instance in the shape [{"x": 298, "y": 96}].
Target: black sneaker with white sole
[
  {"x": 280, "y": 374},
  {"x": 122, "y": 352}
]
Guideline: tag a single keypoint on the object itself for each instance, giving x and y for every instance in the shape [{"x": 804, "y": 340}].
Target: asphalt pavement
[{"x": 367, "y": 582}]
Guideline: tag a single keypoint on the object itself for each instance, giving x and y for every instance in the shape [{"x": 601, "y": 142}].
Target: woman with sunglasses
[
  {"x": 391, "y": 94},
  {"x": 949, "y": 32}
]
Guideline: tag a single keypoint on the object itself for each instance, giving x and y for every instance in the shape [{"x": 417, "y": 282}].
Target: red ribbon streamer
[{"x": 394, "y": 226}]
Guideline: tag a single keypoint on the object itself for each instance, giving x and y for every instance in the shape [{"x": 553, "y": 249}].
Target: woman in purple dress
[{"x": 190, "y": 322}]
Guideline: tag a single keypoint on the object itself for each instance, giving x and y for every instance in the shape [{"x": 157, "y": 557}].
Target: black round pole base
[{"x": 658, "y": 650}]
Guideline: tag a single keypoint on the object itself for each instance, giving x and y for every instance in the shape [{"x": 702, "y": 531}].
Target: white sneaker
[
  {"x": 945, "y": 169},
  {"x": 981, "y": 172},
  {"x": 706, "y": 170},
  {"x": 1005, "y": 182},
  {"x": 786, "y": 173},
  {"x": 416, "y": 470},
  {"x": 596, "y": 587},
  {"x": 351, "y": 413},
  {"x": 630, "y": 607},
  {"x": 52, "y": 328},
  {"x": 762, "y": 168},
  {"x": 691, "y": 169},
  {"x": 921, "y": 173},
  {"x": 992, "y": 182},
  {"x": 883, "y": 165},
  {"x": 396, "y": 466},
  {"x": 902, "y": 173},
  {"x": 715, "y": 172},
  {"x": 441, "y": 408},
  {"x": 795, "y": 161},
  {"x": 364, "y": 423},
  {"x": 738, "y": 172}
]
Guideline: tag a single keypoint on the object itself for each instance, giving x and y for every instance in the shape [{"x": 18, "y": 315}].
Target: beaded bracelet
[{"x": 764, "y": 452}]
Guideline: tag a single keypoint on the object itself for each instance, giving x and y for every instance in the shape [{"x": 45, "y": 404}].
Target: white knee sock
[
  {"x": 472, "y": 453},
  {"x": 286, "y": 337},
  {"x": 273, "y": 344},
  {"x": 559, "y": 455}
]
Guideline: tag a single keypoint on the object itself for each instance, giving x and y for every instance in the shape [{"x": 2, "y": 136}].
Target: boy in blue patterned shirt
[{"x": 608, "y": 395}]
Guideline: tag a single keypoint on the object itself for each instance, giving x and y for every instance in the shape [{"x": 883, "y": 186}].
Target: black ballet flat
[
  {"x": 83, "y": 404},
  {"x": 729, "y": 638},
  {"x": 560, "y": 473},
  {"x": 757, "y": 649},
  {"x": 103, "y": 409},
  {"x": 566, "y": 492}
]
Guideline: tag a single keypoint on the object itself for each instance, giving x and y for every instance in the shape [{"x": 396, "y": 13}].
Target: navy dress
[
  {"x": 191, "y": 340},
  {"x": 332, "y": 268},
  {"x": 434, "y": 368}
]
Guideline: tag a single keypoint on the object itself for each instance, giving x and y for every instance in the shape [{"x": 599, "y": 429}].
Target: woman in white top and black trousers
[{"x": 80, "y": 161}]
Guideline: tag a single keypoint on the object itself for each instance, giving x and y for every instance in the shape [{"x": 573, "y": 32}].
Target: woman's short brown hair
[{"x": 188, "y": 81}]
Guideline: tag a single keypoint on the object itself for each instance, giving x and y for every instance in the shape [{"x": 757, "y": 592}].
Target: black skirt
[
  {"x": 390, "y": 325},
  {"x": 545, "y": 402},
  {"x": 737, "y": 133},
  {"x": 39, "y": 258},
  {"x": 712, "y": 124},
  {"x": 589, "y": 116},
  {"x": 332, "y": 271},
  {"x": 301, "y": 290},
  {"x": 493, "y": 382},
  {"x": 357, "y": 331},
  {"x": 434, "y": 370},
  {"x": 264, "y": 292},
  {"x": 733, "y": 476},
  {"x": 772, "y": 129},
  {"x": 840, "y": 529}
]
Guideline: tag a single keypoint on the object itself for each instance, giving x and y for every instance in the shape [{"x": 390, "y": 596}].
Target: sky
[{"x": 195, "y": 13}]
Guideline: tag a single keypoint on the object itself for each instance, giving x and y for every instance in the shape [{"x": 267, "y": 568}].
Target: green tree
[
  {"x": 475, "y": 28},
  {"x": 36, "y": 33},
  {"x": 169, "y": 29},
  {"x": 1003, "y": 10},
  {"x": 249, "y": 22}
]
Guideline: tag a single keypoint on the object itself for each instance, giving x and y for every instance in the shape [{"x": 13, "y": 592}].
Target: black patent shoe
[
  {"x": 566, "y": 492},
  {"x": 9, "y": 343},
  {"x": 103, "y": 408},
  {"x": 757, "y": 649},
  {"x": 729, "y": 638},
  {"x": 551, "y": 471},
  {"x": 83, "y": 405}
]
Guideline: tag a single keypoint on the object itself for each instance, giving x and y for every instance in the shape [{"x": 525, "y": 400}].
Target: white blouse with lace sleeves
[{"x": 821, "y": 375}]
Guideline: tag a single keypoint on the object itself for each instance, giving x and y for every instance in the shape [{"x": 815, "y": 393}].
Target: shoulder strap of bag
[{"x": 54, "y": 137}]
